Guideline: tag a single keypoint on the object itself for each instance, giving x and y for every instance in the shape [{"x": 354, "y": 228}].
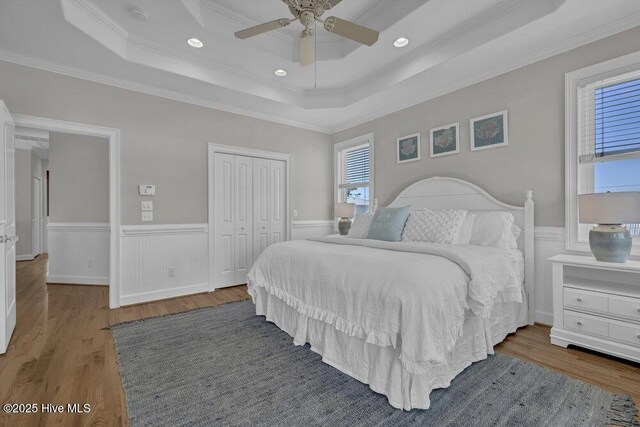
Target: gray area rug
[{"x": 225, "y": 366}]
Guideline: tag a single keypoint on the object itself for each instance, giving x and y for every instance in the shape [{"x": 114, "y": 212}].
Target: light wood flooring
[{"x": 60, "y": 353}]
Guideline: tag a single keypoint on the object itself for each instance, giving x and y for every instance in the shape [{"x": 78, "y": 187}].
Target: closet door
[
  {"x": 243, "y": 207},
  {"x": 277, "y": 205},
  {"x": 261, "y": 205},
  {"x": 224, "y": 224}
]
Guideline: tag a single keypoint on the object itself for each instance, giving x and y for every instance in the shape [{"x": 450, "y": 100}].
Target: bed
[{"x": 403, "y": 317}]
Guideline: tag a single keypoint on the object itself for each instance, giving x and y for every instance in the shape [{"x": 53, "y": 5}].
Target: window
[
  {"x": 603, "y": 138},
  {"x": 354, "y": 172}
]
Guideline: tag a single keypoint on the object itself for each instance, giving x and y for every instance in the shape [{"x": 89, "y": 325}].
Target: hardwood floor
[{"x": 61, "y": 354}]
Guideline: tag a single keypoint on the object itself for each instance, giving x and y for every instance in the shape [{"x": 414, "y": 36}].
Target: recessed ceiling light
[
  {"x": 194, "y": 42},
  {"x": 280, "y": 73},
  {"x": 401, "y": 42}
]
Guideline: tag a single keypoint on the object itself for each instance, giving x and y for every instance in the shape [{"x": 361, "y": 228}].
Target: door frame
[
  {"x": 113, "y": 136},
  {"x": 36, "y": 181},
  {"x": 249, "y": 152}
]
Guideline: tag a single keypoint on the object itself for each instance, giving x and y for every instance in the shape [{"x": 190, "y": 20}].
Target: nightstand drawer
[
  {"x": 585, "y": 300},
  {"x": 629, "y": 334},
  {"x": 624, "y": 306},
  {"x": 586, "y": 324}
]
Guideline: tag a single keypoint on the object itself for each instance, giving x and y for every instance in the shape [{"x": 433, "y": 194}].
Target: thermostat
[{"x": 147, "y": 190}]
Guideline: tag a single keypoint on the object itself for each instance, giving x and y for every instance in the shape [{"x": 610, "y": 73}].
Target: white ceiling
[{"x": 454, "y": 43}]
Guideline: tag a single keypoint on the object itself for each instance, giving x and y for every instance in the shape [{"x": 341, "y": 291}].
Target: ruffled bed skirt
[{"x": 380, "y": 366}]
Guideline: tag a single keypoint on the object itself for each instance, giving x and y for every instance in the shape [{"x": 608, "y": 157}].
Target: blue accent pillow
[{"x": 387, "y": 224}]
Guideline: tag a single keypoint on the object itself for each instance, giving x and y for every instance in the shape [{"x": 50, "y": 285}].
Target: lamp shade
[
  {"x": 609, "y": 208},
  {"x": 345, "y": 210}
]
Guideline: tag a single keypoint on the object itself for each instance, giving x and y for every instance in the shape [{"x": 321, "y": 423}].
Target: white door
[
  {"x": 36, "y": 215},
  {"x": 243, "y": 217},
  {"x": 277, "y": 205},
  {"x": 261, "y": 205},
  {"x": 224, "y": 245},
  {"x": 7, "y": 229}
]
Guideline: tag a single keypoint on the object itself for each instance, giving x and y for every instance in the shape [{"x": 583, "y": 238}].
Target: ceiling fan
[{"x": 309, "y": 11}]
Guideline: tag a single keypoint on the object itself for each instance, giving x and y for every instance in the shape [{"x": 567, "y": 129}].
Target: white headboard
[{"x": 452, "y": 193}]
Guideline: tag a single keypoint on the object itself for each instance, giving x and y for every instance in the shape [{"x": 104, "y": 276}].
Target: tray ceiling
[{"x": 141, "y": 44}]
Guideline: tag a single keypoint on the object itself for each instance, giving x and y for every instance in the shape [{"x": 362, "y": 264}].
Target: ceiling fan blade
[
  {"x": 262, "y": 28},
  {"x": 307, "y": 49},
  {"x": 351, "y": 31}
]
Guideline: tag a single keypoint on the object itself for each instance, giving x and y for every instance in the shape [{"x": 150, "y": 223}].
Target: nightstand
[{"x": 596, "y": 305}]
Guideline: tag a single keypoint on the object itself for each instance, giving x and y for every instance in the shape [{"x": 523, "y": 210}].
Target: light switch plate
[
  {"x": 147, "y": 205},
  {"x": 147, "y": 216},
  {"x": 147, "y": 189}
]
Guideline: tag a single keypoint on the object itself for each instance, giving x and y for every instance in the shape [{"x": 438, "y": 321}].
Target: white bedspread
[{"x": 412, "y": 296}]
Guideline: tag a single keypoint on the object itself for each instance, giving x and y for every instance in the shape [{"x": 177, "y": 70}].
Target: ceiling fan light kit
[{"x": 308, "y": 12}]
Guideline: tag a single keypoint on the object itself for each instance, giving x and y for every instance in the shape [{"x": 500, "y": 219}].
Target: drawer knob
[
  {"x": 579, "y": 299},
  {"x": 638, "y": 335},
  {"x": 579, "y": 323},
  {"x": 638, "y": 310}
]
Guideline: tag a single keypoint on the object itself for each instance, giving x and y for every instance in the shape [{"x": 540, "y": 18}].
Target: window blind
[
  {"x": 609, "y": 119},
  {"x": 353, "y": 167}
]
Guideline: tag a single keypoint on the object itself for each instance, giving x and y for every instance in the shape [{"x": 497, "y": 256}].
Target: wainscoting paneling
[
  {"x": 149, "y": 252},
  {"x": 306, "y": 229},
  {"x": 78, "y": 253},
  {"x": 549, "y": 242}
]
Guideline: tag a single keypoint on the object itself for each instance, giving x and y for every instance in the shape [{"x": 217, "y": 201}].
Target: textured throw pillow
[
  {"x": 387, "y": 224},
  {"x": 434, "y": 226},
  {"x": 360, "y": 227},
  {"x": 493, "y": 229}
]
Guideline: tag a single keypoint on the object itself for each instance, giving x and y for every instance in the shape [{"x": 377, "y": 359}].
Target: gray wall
[
  {"x": 79, "y": 174},
  {"x": 28, "y": 166},
  {"x": 164, "y": 142},
  {"x": 23, "y": 202},
  {"x": 534, "y": 158}
]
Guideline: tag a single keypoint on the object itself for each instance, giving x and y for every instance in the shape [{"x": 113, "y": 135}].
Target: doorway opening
[{"x": 78, "y": 195}]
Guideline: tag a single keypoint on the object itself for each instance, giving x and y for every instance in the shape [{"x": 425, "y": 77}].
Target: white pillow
[
  {"x": 360, "y": 227},
  {"x": 494, "y": 228},
  {"x": 467, "y": 228},
  {"x": 435, "y": 226}
]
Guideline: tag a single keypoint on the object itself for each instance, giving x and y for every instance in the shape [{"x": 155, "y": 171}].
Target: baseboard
[
  {"x": 544, "y": 318},
  {"x": 163, "y": 294},
  {"x": 79, "y": 280},
  {"x": 28, "y": 257}
]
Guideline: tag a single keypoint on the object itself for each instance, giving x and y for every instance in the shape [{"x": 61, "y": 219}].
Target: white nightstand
[{"x": 596, "y": 305}]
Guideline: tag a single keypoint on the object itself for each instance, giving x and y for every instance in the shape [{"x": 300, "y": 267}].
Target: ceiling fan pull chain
[{"x": 315, "y": 63}]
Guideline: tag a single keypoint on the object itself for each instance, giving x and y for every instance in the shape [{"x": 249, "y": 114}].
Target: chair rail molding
[{"x": 311, "y": 228}]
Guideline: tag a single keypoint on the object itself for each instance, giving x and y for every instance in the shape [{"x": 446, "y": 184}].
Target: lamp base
[
  {"x": 610, "y": 242},
  {"x": 344, "y": 224}
]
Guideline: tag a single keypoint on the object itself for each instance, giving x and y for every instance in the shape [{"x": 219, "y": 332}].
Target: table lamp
[
  {"x": 610, "y": 241},
  {"x": 344, "y": 211}
]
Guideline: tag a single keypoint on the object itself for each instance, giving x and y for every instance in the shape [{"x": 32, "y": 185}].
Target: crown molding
[
  {"x": 39, "y": 64},
  {"x": 458, "y": 32},
  {"x": 528, "y": 58},
  {"x": 88, "y": 18}
]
